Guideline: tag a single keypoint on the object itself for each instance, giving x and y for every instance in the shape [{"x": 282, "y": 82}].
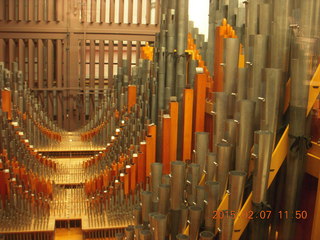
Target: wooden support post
[
  {"x": 101, "y": 64},
  {"x": 59, "y": 79},
  {"x": 31, "y": 63},
  {"x": 129, "y": 56},
  {"x": 12, "y": 49},
  {"x": 111, "y": 13},
  {"x": 40, "y": 11},
  {"x": 102, "y": 11},
  {"x": 21, "y": 56},
  {"x": 2, "y": 50},
  {"x": 148, "y": 13},
  {"x": 50, "y": 65},
  {"x": 130, "y": 11},
  {"x": 93, "y": 16},
  {"x": 50, "y": 8},
  {"x": 83, "y": 63},
  {"x": 121, "y": 11},
  {"x": 83, "y": 11},
  {"x": 30, "y": 11},
  {"x": 11, "y": 10},
  {"x": 20, "y": 10},
  {"x": 120, "y": 53},
  {"x": 157, "y": 15},
  {"x": 139, "y": 9},
  {"x": 187, "y": 123},
  {"x": 2, "y": 10},
  {"x": 40, "y": 63},
  {"x": 110, "y": 64}
]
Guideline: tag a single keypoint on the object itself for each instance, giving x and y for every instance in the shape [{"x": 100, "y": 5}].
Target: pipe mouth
[
  {"x": 160, "y": 216},
  {"x": 178, "y": 163},
  {"x": 238, "y": 173},
  {"x": 212, "y": 154},
  {"x": 201, "y": 133},
  {"x": 212, "y": 183},
  {"x": 156, "y": 164},
  {"x": 146, "y": 193},
  {"x": 206, "y": 234},
  {"x": 182, "y": 236},
  {"x": 194, "y": 165},
  {"x": 195, "y": 208},
  {"x": 224, "y": 144}
]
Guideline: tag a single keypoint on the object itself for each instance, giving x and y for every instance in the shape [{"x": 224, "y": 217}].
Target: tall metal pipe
[
  {"x": 164, "y": 198},
  {"x": 227, "y": 226},
  {"x": 219, "y": 118},
  {"x": 245, "y": 141},
  {"x": 156, "y": 175},
  {"x": 212, "y": 190},
  {"x": 272, "y": 78},
  {"x": 160, "y": 227},
  {"x": 201, "y": 149},
  {"x": 137, "y": 215},
  {"x": 224, "y": 154},
  {"x": 232, "y": 128},
  {"x": 146, "y": 200},
  {"x": 129, "y": 233},
  {"x": 177, "y": 184},
  {"x": 195, "y": 221},
  {"x": 211, "y": 167},
  {"x": 237, "y": 181},
  {"x": 145, "y": 235}
]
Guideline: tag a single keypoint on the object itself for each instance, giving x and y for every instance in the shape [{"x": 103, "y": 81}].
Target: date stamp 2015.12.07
[{"x": 264, "y": 214}]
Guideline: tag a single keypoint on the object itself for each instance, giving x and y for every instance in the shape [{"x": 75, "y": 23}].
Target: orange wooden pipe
[
  {"x": 187, "y": 123},
  {"x": 132, "y": 96},
  {"x": 166, "y": 134},
  {"x": 173, "y": 110},
  {"x": 200, "y": 102},
  {"x": 6, "y": 102}
]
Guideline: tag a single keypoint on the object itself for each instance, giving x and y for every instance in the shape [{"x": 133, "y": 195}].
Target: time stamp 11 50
[{"x": 264, "y": 214}]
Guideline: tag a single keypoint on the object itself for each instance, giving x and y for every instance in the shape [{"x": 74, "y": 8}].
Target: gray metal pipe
[
  {"x": 262, "y": 166},
  {"x": 146, "y": 200},
  {"x": 224, "y": 154},
  {"x": 211, "y": 166},
  {"x": 219, "y": 118},
  {"x": 232, "y": 129},
  {"x": 245, "y": 142},
  {"x": 178, "y": 170},
  {"x": 227, "y": 226},
  {"x": 212, "y": 190},
  {"x": 156, "y": 176},
  {"x": 237, "y": 181},
  {"x": 195, "y": 221},
  {"x": 164, "y": 198},
  {"x": 160, "y": 227},
  {"x": 201, "y": 149}
]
